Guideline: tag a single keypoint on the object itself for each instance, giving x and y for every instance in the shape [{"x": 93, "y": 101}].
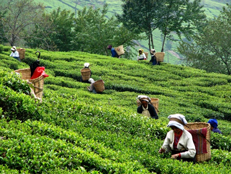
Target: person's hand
[
  {"x": 161, "y": 150},
  {"x": 175, "y": 156}
]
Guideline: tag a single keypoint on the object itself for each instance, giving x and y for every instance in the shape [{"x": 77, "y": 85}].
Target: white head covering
[
  {"x": 144, "y": 97},
  {"x": 91, "y": 80},
  {"x": 177, "y": 120},
  {"x": 86, "y": 65},
  {"x": 14, "y": 47}
]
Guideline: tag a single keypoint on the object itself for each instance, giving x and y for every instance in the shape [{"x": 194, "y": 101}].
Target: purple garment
[{"x": 216, "y": 130}]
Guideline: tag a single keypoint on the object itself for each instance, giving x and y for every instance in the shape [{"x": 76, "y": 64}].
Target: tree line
[{"x": 204, "y": 42}]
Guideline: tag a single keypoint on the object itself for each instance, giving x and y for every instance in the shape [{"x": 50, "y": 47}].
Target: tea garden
[{"x": 75, "y": 131}]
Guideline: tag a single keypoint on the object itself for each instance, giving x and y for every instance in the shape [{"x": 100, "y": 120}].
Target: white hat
[
  {"x": 91, "y": 80},
  {"x": 177, "y": 120},
  {"x": 86, "y": 65},
  {"x": 144, "y": 97},
  {"x": 14, "y": 47}
]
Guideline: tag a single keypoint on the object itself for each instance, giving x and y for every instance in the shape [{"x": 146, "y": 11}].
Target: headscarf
[
  {"x": 177, "y": 120},
  {"x": 109, "y": 47},
  {"x": 142, "y": 51},
  {"x": 213, "y": 123},
  {"x": 91, "y": 80},
  {"x": 33, "y": 66},
  {"x": 86, "y": 65},
  {"x": 144, "y": 97},
  {"x": 153, "y": 51}
]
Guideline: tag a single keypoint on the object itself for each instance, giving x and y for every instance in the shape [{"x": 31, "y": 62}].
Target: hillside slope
[
  {"x": 212, "y": 9},
  {"x": 81, "y": 132}
]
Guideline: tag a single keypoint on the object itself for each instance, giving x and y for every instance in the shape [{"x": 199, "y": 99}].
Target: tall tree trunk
[
  {"x": 162, "y": 50},
  {"x": 152, "y": 40},
  {"x": 149, "y": 44}
]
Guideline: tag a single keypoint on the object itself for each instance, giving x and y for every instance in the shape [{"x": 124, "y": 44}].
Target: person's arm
[
  {"x": 140, "y": 109},
  {"x": 152, "y": 111},
  {"x": 11, "y": 54},
  {"x": 165, "y": 147},
  {"x": 190, "y": 146}
]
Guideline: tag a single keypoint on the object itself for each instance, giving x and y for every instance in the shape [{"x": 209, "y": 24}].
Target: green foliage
[
  {"x": 17, "y": 105},
  {"x": 94, "y": 32},
  {"x": 181, "y": 17},
  {"x": 210, "y": 50},
  {"x": 1, "y": 48},
  {"x": 75, "y": 131},
  {"x": 13, "y": 81},
  {"x": 16, "y": 20},
  {"x": 54, "y": 32}
]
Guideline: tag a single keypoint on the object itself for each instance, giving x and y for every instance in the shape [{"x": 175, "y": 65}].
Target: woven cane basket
[
  {"x": 37, "y": 83},
  {"x": 99, "y": 86},
  {"x": 119, "y": 50},
  {"x": 86, "y": 74},
  {"x": 154, "y": 103},
  {"x": 21, "y": 52},
  {"x": 146, "y": 54},
  {"x": 159, "y": 56},
  {"x": 200, "y": 125}
]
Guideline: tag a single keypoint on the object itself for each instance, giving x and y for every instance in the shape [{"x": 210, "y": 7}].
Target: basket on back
[
  {"x": 86, "y": 73},
  {"x": 198, "y": 126},
  {"x": 37, "y": 82},
  {"x": 119, "y": 50},
  {"x": 21, "y": 52},
  {"x": 154, "y": 103},
  {"x": 146, "y": 54},
  {"x": 99, "y": 86},
  {"x": 159, "y": 56}
]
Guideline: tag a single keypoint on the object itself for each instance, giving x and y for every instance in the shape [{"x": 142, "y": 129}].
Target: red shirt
[{"x": 176, "y": 140}]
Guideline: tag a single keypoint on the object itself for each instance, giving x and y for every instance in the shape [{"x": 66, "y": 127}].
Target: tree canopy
[
  {"x": 169, "y": 16},
  {"x": 210, "y": 49},
  {"x": 20, "y": 15}
]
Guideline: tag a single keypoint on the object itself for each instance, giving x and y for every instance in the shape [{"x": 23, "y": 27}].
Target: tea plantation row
[{"x": 75, "y": 131}]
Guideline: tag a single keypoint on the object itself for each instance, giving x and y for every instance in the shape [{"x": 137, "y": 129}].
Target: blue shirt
[
  {"x": 216, "y": 130},
  {"x": 113, "y": 53}
]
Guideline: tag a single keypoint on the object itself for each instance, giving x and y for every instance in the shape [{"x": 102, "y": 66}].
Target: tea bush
[{"x": 76, "y": 131}]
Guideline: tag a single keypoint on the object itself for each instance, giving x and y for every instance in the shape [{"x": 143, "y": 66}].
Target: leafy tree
[
  {"x": 138, "y": 16},
  {"x": 20, "y": 15},
  {"x": 169, "y": 16},
  {"x": 211, "y": 49},
  {"x": 180, "y": 17},
  {"x": 2, "y": 33},
  {"x": 54, "y": 31},
  {"x": 94, "y": 31}
]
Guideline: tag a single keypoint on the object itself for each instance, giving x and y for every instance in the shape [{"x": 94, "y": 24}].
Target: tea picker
[{"x": 145, "y": 107}]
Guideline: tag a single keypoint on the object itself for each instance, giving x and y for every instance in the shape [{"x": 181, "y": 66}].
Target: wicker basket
[
  {"x": 146, "y": 54},
  {"x": 99, "y": 86},
  {"x": 154, "y": 102},
  {"x": 86, "y": 73},
  {"x": 25, "y": 73},
  {"x": 37, "y": 83},
  {"x": 119, "y": 50},
  {"x": 159, "y": 56},
  {"x": 200, "y": 125},
  {"x": 21, "y": 52}
]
